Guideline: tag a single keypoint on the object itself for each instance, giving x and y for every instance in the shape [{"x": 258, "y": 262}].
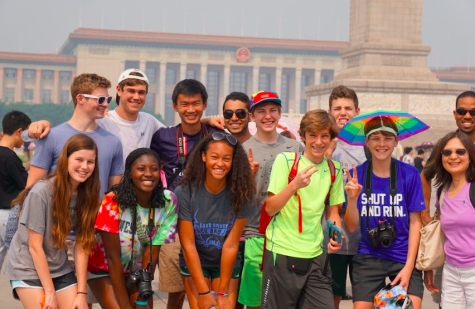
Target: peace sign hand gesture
[
  {"x": 352, "y": 187},
  {"x": 303, "y": 178},
  {"x": 254, "y": 164}
]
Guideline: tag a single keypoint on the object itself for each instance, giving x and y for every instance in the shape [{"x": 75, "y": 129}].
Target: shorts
[
  {"x": 458, "y": 287},
  {"x": 286, "y": 288},
  {"x": 70, "y": 245},
  {"x": 169, "y": 276},
  {"x": 251, "y": 281},
  {"x": 211, "y": 272},
  {"x": 60, "y": 283},
  {"x": 339, "y": 266},
  {"x": 370, "y": 273}
]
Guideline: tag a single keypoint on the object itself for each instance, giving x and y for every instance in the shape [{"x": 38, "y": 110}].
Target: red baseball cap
[{"x": 265, "y": 96}]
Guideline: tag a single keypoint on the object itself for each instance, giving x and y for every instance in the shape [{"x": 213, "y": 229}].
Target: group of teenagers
[{"x": 111, "y": 195}]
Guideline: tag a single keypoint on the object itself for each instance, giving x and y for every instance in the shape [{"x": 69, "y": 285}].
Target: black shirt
[
  {"x": 12, "y": 176},
  {"x": 418, "y": 164}
]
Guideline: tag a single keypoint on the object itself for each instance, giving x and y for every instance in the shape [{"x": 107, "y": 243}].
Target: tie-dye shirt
[{"x": 113, "y": 219}]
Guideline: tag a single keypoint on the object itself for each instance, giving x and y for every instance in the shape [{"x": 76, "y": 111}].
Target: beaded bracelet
[
  {"x": 141, "y": 303},
  {"x": 222, "y": 294}
]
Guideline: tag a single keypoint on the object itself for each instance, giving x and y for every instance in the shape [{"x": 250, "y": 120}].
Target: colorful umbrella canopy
[{"x": 407, "y": 124}]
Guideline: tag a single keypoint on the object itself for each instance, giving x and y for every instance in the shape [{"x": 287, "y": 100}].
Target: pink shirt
[{"x": 458, "y": 224}]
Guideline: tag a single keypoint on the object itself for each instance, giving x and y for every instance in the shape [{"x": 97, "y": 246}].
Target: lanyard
[{"x": 182, "y": 144}]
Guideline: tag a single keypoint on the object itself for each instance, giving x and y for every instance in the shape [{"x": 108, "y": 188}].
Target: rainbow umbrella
[{"x": 407, "y": 125}]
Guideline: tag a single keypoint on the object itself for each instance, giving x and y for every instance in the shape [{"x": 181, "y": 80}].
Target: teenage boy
[
  {"x": 12, "y": 173},
  {"x": 388, "y": 212},
  {"x": 266, "y": 144},
  {"x": 419, "y": 160},
  {"x": 294, "y": 236},
  {"x": 343, "y": 105},
  {"x": 174, "y": 146},
  {"x": 91, "y": 98},
  {"x": 236, "y": 115}
]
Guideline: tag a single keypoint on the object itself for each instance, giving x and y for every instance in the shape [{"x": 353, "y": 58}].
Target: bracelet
[
  {"x": 201, "y": 294},
  {"x": 82, "y": 293},
  {"x": 141, "y": 303},
  {"x": 221, "y": 294}
]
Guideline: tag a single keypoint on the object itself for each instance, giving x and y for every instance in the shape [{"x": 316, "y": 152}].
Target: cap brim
[{"x": 274, "y": 100}]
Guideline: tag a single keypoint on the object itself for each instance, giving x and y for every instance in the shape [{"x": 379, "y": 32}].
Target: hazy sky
[{"x": 42, "y": 26}]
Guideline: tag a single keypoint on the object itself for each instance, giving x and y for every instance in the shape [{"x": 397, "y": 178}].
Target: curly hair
[
  {"x": 443, "y": 177},
  {"x": 239, "y": 179},
  {"x": 124, "y": 191}
]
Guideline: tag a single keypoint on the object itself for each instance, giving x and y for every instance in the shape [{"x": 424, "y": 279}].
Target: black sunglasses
[
  {"x": 218, "y": 136},
  {"x": 463, "y": 111},
  {"x": 240, "y": 113},
  {"x": 458, "y": 152},
  {"x": 100, "y": 100}
]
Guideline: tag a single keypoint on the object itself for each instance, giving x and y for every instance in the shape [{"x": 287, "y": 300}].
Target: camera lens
[
  {"x": 146, "y": 295},
  {"x": 385, "y": 241}
]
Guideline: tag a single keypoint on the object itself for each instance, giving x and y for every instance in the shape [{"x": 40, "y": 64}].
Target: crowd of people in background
[{"x": 231, "y": 219}]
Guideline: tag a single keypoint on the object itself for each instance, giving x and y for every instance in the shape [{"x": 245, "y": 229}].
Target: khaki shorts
[{"x": 169, "y": 276}]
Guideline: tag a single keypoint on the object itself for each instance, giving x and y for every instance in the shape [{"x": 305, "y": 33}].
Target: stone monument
[{"x": 386, "y": 64}]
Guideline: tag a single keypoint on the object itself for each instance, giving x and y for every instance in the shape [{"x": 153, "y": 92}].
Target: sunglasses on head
[
  {"x": 458, "y": 152},
  {"x": 100, "y": 100},
  {"x": 240, "y": 113},
  {"x": 218, "y": 136},
  {"x": 463, "y": 111}
]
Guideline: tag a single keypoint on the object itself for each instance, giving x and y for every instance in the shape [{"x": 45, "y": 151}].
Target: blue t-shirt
[
  {"x": 109, "y": 148},
  {"x": 164, "y": 142},
  {"x": 409, "y": 198}
]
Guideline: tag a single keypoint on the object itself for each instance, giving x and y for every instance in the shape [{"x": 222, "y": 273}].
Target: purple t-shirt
[
  {"x": 409, "y": 198},
  {"x": 164, "y": 142},
  {"x": 457, "y": 219}
]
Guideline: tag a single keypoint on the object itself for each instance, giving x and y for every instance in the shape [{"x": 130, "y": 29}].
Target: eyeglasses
[
  {"x": 240, "y": 113},
  {"x": 459, "y": 152},
  {"x": 218, "y": 136},
  {"x": 463, "y": 111},
  {"x": 100, "y": 100}
]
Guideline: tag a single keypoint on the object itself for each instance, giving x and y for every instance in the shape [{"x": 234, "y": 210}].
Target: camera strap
[
  {"x": 137, "y": 225},
  {"x": 134, "y": 229},
  {"x": 392, "y": 187},
  {"x": 151, "y": 227}
]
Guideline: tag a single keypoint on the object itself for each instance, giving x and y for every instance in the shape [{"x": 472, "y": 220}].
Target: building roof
[
  {"x": 29, "y": 58},
  {"x": 197, "y": 41},
  {"x": 462, "y": 74}
]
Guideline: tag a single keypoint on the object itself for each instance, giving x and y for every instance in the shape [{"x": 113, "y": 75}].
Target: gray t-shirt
[
  {"x": 109, "y": 147},
  {"x": 36, "y": 215},
  {"x": 265, "y": 154},
  {"x": 348, "y": 156},
  {"x": 210, "y": 215}
]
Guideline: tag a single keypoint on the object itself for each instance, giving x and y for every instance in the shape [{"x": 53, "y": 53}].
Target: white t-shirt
[
  {"x": 408, "y": 159},
  {"x": 132, "y": 134}
]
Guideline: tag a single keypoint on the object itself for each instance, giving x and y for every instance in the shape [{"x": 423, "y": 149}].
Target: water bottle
[{"x": 26, "y": 136}]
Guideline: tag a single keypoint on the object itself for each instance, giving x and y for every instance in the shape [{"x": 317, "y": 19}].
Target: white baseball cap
[{"x": 126, "y": 75}]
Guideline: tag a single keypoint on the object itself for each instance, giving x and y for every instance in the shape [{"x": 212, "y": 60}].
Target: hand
[
  {"x": 303, "y": 178},
  {"x": 50, "y": 301},
  {"x": 334, "y": 246},
  {"x": 217, "y": 122},
  {"x": 426, "y": 218},
  {"x": 39, "y": 129},
  {"x": 206, "y": 301},
  {"x": 352, "y": 187},
  {"x": 224, "y": 302},
  {"x": 331, "y": 148},
  {"x": 80, "y": 302},
  {"x": 429, "y": 281},
  {"x": 403, "y": 277},
  {"x": 254, "y": 164}
]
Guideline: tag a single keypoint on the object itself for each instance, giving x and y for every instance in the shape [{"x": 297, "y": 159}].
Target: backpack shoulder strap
[
  {"x": 332, "y": 168},
  {"x": 295, "y": 166},
  {"x": 472, "y": 194}
]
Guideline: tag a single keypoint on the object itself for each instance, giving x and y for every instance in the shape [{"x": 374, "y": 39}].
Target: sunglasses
[
  {"x": 100, "y": 100},
  {"x": 240, "y": 113},
  {"x": 459, "y": 152},
  {"x": 463, "y": 111},
  {"x": 218, "y": 136}
]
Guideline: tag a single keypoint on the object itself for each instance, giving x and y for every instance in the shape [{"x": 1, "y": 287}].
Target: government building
[{"x": 222, "y": 63}]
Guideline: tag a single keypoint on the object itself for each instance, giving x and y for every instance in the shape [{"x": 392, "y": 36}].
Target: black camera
[
  {"x": 383, "y": 234},
  {"x": 142, "y": 279}
]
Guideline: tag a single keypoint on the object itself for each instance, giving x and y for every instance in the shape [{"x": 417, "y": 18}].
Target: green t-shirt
[{"x": 282, "y": 233}]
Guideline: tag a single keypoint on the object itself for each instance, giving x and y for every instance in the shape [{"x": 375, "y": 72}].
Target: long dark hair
[
  {"x": 443, "y": 177},
  {"x": 239, "y": 180},
  {"x": 124, "y": 191},
  {"x": 87, "y": 202}
]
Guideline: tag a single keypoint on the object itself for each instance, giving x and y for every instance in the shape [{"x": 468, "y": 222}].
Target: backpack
[{"x": 266, "y": 219}]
